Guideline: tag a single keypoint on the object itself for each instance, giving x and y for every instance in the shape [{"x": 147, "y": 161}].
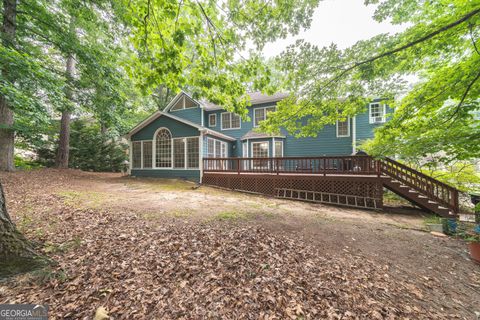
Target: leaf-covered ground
[{"x": 154, "y": 249}]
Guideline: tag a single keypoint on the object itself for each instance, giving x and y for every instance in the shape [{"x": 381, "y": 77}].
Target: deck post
[
  {"x": 238, "y": 165},
  {"x": 277, "y": 166},
  {"x": 324, "y": 167}
]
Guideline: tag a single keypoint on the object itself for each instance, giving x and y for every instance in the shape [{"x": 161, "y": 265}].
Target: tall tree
[
  {"x": 438, "y": 114},
  {"x": 7, "y": 34},
  {"x": 16, "y": 253},
  {"x": 203, "y": 45},
  {"x": 61, "y": 161}
]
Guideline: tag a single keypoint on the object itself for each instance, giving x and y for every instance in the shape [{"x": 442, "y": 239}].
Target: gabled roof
[
  {"x": 258, "y": 135},
  {"x": 158, "y": 114},
  {"x": 175, "y": 99},
  {"x": 255, "y": 98}
]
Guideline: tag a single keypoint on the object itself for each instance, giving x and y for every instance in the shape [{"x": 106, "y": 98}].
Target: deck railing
[
  {"x": 430, "y": 187},
  {"x": 340, "y": 165},
  {"x": 358, "y": 165}
]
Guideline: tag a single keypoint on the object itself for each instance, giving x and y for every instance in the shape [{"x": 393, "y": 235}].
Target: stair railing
[{"x": 431, "y": 188}]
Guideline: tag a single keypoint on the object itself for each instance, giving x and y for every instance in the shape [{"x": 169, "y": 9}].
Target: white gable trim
[
  {"x": 178, "y": 96},
  {"x": 158, "y": 114}
]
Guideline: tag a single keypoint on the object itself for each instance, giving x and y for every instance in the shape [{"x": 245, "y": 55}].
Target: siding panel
[
  {"x": 191, "y": 175},
  {"x": 177, "y": 128}
]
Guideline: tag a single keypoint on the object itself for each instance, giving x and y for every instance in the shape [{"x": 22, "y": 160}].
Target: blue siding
[
  {"x": 235, "y": 133},
  {"x": 365, "y": 129},
  {"x": 193, "y": 114},
  {"x": 192, "y": 175},
  {"x": 325, "y": 143},
  {"x": 177, "y": 128}
]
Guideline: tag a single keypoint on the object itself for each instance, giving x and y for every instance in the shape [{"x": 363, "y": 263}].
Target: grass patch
[
  {"x": 63, "y": 247},
  {"x": 432, "y": 220},
  {"x": 89, "y": 198},
  {"x": 157, "y": 184},
  {"x": 230, "y": 215},
  {"x": 181, "y": 213}
]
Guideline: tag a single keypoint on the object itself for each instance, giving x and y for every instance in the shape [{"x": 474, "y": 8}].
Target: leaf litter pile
[{"x": 169, "y": 269}]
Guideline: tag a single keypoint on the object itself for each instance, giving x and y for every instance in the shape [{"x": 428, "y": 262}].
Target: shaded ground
[{"x": 157, "y": 249}]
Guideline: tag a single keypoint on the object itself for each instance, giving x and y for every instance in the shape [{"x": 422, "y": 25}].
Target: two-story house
[{"x": 173, "y": 143}]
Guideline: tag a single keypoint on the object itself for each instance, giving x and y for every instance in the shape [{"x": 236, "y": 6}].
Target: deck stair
[{"x": 420, "y": 189}]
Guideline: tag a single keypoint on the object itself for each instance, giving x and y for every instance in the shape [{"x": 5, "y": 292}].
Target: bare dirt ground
[{"x": 159, "y": 249}]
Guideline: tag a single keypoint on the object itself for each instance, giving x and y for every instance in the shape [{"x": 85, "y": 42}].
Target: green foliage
[
  {"x": 92, "y": 150},
  {"x": 438, "y": 115},
  {"x": 463, "y": 175},
  {"x": 200, "y": 45},
  {"x": 24, "y": 164}
]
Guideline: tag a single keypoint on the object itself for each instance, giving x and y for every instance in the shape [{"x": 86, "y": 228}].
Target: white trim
[
  {"x": 202, "y": 112},
  {"x": 348, "y": 129},
  {"x": 221, "y": 121},
  {"x": 183, "y": 98},
  {"x": 268, "y": 147},
  {"x": 154, "y": 142},
  {"x": 173, "y": 101},
  {"x": 141, "y": 154},
  {"x": 354, "y": 135},
  {"x": 266, "y": 137},
  {"x": 265, "y": 113},
  {"x": 273, "y": 148},
  {"x": 130, "y": 156},
  {"x": 383, "y": 117},
  {"x": 157, "y": 114},
  {"x": 200, "y": 155},
  {"x": 215, "y": 116}
]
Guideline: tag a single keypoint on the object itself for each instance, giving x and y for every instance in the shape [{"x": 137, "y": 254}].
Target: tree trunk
[
  {"x": 16, "y": 252},
  {"x": 7, "y": 34},
  {"x": 63, "y": 151}
]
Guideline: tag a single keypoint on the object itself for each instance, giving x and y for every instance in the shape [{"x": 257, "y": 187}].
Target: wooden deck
[{"x": 356, "y": 181}]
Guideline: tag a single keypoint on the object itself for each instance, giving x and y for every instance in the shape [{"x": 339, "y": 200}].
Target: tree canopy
[{"x": 438, "y": 114}]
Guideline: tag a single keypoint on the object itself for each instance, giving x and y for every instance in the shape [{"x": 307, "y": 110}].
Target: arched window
[{"x": 163, "y": 150}]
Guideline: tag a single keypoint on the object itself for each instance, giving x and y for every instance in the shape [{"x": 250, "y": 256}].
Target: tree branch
[{"x": 394, "y": 51}]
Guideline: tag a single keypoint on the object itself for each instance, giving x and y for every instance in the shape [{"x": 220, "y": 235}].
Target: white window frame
[
  {"x": 274, "y": 148},
  {"x": 373, "y": 120},
  {"x": 141, "y": 154},
  {"x": 183, "y": 104},
  {"x": 348, "y": 129},
  {"x": 264, "y": 113},
  {"x": 268, "y": 147},
  {"x": 214, "y": 141},
  {"x": 255, "y": 164},
  {"x": 172, "y": 159},
  {"x": 230, "y": 113},
  {"x": 214, "y": 117}
]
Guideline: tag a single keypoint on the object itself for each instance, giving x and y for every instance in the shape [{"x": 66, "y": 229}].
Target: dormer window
[
  {"x": 376, "y": 113},
  {"x": 184, "y": 102}
]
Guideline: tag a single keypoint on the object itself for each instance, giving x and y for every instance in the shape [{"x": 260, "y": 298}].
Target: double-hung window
[
  {"x": 212, "y": 120},
  {"x": 230, "y": 121},
  {"x": 136, "y": 154},
  {"x": 260, "y": 114},
  {"x": 343, "y": 128},
  {"x": 376, "y": 112},
  {"x": 185, "y": 153}
]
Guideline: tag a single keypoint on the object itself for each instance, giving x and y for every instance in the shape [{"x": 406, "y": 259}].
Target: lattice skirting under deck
[{"x": 352, "y": 191}]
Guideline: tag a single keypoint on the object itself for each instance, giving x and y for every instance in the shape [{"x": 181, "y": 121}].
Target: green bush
[
  {"x": 24, "y": 164},
  {"x": 90, "y": 149}
]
